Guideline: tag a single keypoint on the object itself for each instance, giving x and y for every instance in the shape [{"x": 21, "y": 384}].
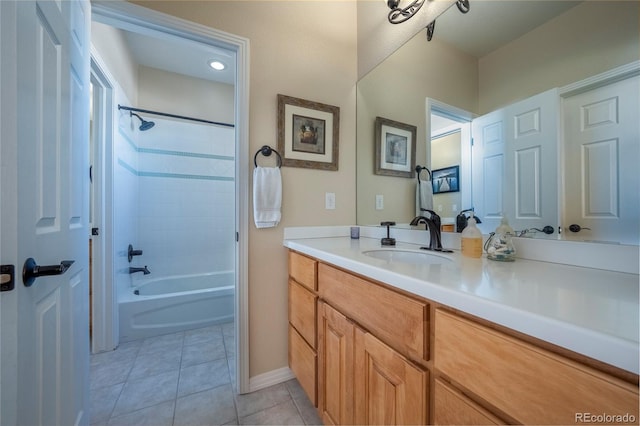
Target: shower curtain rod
[{"x": 146, "y": 111}]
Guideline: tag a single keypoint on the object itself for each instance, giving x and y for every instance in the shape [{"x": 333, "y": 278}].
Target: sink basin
[{"x": 406, "y": 256}]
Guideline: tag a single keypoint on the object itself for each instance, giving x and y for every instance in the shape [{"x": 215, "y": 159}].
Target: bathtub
[{"x": 157, "y": 306}]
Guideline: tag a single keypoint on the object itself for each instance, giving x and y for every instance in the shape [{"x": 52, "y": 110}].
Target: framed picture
[
  {"x": 395, "y": 148},
  {"x": 446, "y": 180},
  {"x": 308, "y": 133}
]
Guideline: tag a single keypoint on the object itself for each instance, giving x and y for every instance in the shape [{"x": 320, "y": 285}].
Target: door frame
[
  {"x": 104, "y": 302},
  {"x": 123, "y": 14},
  {"x": 464, "y": 118}
]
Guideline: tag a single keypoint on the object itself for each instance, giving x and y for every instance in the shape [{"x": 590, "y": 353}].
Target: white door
[
  {"x": 45, "y": 336},
  {"x": 488, "y": 168},
  {"x": 531, "y": 183},
  {"x": 602, "y": 153},
  {"x": 515, "y": 152}
]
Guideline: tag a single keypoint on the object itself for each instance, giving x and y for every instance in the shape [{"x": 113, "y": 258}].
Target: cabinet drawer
[
  {"x": 530, "y": 384},
  {"x": 398, "y": 320},
  {"x": 302, "y": 312},
  {"x": 304, "y": 270},
  {"x": 453, "y": 408},
  {"x": 303, "y": 361}
]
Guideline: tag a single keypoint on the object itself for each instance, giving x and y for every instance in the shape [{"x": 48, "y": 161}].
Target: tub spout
[{"x": 133, "y": 270}]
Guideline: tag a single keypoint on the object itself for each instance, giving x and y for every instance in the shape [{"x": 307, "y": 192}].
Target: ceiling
[
  {"x": 488, "y": 25},
  {"x": 181, "y": 56}
]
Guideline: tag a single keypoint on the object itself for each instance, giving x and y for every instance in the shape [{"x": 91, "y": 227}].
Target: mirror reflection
[{"x": 468, "y": 78}]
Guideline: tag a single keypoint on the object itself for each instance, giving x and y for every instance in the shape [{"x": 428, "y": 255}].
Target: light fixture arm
[{"x": 398, "y": 15}]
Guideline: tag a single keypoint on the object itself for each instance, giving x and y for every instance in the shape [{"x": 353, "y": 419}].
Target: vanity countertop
[{"x": 593, "y": 312}]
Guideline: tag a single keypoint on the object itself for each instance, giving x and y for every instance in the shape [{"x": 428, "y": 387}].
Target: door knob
[
  {"x": 31, "y": 270},
  {"x": 577, "y": 228}
]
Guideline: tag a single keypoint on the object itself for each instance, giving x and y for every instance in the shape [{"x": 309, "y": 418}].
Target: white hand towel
[
  {"x": 424, "y": 197},
  {"x": 267, "y": 196}
]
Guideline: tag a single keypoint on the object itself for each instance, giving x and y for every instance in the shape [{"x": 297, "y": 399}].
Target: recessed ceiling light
[{"x": 217, "y": 65}]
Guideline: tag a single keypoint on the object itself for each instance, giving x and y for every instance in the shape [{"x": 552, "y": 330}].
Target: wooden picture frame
[
  {"x": 308, "y": 133},
  {"x": 395, "y": 152},
  {"x": 446, "y": 180}
]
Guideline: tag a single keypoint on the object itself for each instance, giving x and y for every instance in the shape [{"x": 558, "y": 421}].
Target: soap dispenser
[
  {"x": 471, "y": 239},
  {"x": 500, "y": 246}
]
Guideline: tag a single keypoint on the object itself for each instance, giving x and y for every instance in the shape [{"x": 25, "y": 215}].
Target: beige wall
[
  {"x": 396, "y": 90},
  {"x": 113, "y": 49},
  {"x": 182, "y": 95},
  {"x": 588, "y": 39},
  {"x": 305, "y": 49}
]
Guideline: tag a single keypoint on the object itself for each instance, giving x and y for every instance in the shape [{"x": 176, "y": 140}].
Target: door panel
[
  {"x": 47, "y": 338},
  {"x": 531, "y": 181},
  {"x": 335, "y": 366},
  {"x": 389, "y": 389},
  {"x": 602, "y": 147},
  {"x": 488, "y": 168}
]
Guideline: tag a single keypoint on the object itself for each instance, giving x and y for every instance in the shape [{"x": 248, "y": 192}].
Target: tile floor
[{"x": 185, "y": 378}]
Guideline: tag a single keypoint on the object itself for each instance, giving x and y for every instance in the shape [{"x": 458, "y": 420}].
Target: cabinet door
[
  {"x": 302, "y": 312},
  {"x": 389, "y": 389},
  {"x": 335, "y": 366},
  {"x": 303, "y": 362}
]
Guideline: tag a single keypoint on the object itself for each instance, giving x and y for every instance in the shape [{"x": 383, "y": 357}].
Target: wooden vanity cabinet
[
  {"x": 519, "y": 381},
  {"x": 361, "y": 379},
  {"x": 361, "y": 351},
  {"x": 303, "y": 322}
]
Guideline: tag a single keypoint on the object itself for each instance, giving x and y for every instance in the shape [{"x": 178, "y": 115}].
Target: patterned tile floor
[{"x": 185, "y": 378}]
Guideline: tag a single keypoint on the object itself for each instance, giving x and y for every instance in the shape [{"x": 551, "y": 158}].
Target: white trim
[
  {"x": 270, "y": 378},
  {"x": 433, "y": 106},
  {"x": 104, "y": 300},
  {"x": 129, "y": 16},
  {"x": 616, "y": 74}
]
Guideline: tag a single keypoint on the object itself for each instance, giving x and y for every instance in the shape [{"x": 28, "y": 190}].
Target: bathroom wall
[
  {"x": 187, "y": 198},
  {"x": 186, "y": 175},
  {"x": 305, "y": 49},
  {"x": 110, "y": 45},
  {"x": 113, "y": 49},
  {"x": 125, "y": 200},
  {"x": 588, "y": 39}
]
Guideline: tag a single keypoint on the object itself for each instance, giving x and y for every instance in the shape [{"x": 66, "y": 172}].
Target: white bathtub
[{"x": 170, "y": 304}]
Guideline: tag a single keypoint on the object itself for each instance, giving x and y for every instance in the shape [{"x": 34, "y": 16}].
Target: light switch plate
[
  {"x": 379, "y": 202},
  {"x": 330, "y": 200}
]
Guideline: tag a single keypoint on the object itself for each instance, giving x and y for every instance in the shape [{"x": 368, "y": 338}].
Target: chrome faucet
[
  {"x": 433, "y": 225},
  {"x": 133, "y": 270}
]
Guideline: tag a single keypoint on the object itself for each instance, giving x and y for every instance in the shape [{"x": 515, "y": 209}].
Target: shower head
[{"x": 144, "y": 125}]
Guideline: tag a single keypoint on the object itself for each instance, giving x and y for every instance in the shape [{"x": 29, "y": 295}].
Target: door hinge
[
  {"x": 237, "y": 237},
  {"x": 7, "y": 277}
]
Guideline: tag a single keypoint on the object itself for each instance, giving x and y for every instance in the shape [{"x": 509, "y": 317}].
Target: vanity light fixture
[
  {"x": 398, "y": 14},
  {"x": 217, "y": 65}
]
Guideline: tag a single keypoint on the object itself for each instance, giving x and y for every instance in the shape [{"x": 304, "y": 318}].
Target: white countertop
[{"x": 590, "y": 311}]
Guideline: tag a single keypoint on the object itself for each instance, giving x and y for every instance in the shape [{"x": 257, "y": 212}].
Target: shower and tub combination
[{"x": 181, "y": 210}]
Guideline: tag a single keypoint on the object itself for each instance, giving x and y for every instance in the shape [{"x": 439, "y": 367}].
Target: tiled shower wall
[{"x": 186, "y": 198}]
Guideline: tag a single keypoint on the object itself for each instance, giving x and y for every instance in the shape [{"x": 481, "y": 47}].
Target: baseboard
[{"x": 270, "y": 378}]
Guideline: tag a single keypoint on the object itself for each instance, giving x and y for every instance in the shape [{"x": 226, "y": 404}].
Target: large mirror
[{"x": 499, "y": 54}]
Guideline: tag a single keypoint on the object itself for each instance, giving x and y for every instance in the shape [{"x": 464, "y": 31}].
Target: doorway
[{"x": 135, "y": 19}]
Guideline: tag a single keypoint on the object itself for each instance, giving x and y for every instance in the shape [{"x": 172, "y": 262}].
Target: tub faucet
[
  {"x": 433, "y": 225},
  {"x": 133, "y": 270}
]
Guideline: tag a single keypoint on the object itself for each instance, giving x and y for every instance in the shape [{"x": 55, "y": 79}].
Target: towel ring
[
  {"x": 419, "y": 169},
  {"x": 266, "y": 150}
]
